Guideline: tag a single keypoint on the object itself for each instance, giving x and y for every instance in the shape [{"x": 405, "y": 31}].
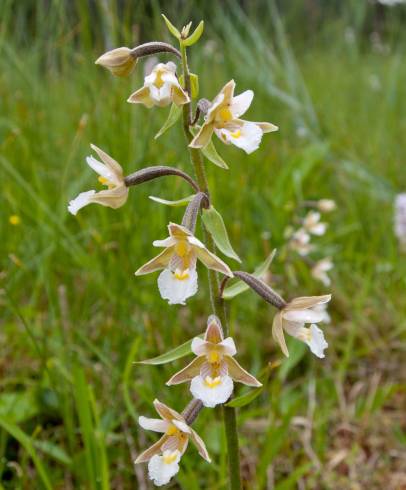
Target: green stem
[{"x": 229, "y": 413}]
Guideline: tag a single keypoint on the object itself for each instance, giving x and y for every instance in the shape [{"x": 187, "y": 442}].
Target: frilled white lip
[{"x": 211, "y": 396}]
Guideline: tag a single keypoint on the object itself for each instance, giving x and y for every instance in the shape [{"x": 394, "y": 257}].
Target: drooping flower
[
  {"x": 163, "y": 457},
  {"x": 178, "y": 280},
  {"x": 292, "y": 319},
  {"x": 119, "y": 61},
  {"x": 212, "y": 372},
  {"x": 300, "y": 242},
  {"x": 313, "y": 225},
  {"x": 223, "y": 118},
  {"x": 161, "y": 88},
  {"x": 326, "y": 205},
  {"x": 111, "y": 175},
  {"x": 320, "y": 269}
]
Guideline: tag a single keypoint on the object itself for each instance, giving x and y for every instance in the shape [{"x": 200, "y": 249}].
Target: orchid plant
[{"x": 211, "y": 375}]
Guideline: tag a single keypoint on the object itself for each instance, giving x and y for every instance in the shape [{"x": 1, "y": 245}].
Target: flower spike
[
  {"x": 178, "y": 281},
  {"x": 163, "y": 457},
  {"x": 111, "y": 175},
  {"x": 223, "y": 118},
  {"x": 213, "y": 371}
]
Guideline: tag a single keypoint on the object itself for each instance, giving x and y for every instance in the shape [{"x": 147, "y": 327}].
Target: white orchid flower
[
  {"x": 292, "y": 319},
  {"x": 111, "y": 175},
  {"x": 300, "y": 242},
  {"x": 178, "y": 280},
  {"x": 214, "y": 369},
  {"x": 163, "y": 457},
  {"x": 326, "y": 205},
  {"x": 320, "y": 269},
  {"x": 161, "y": 88},
  {"x": 312, "y": 224},
  {"x": 223, "y": 118}
]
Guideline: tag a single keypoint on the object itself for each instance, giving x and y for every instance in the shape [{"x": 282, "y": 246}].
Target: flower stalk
[{"x": 229, "y": 414}]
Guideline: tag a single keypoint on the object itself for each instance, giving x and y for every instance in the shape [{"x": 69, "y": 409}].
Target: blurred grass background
[{"x": 332, "y": 76}]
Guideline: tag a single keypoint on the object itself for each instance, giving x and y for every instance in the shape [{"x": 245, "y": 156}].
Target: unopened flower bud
[
  {"x": 120, "y": 61},
  {"x": 326, "y": 205}
]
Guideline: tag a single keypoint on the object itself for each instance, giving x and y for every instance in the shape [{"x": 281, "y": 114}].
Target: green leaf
[
  {"x": 172, "y": 29},
  {"x": 180, "y": 202},
  {"x": 195, "y": 36},
  {"x": 240, "y": 286},
  {"x": 211, "y": 154},
  {"x": 194, "y": 85},
  {"x": 174, "y": 115},
  {"x": 214, "y": 223},
  {"x": 19, "y": 406},
  {"x": 176, "y": 353},
  {"x": 27, "y": 443},
  {"x": 241, "y": 401},
  {"x": 54, "y": 451}
]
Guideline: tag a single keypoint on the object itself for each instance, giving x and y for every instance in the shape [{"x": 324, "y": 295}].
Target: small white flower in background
[
  {"x": 313, "y": 225},
  {"x": 178, "y": 280},
  {"x": 111, "y": 175},
  {"x": 161, "y": 88},
  {"x": 400, "y": 219},
  {"x": 214, "y": 369},
  {"x": 300, "y": 242},
  {"x": 163, "y": 457},
  {"x": 293, "y": 318},
  {"x": 223, "y": 118},
  {"x": 119, "y": 61},
  {"x": 320, "y": 269},
  {"x": 326, "y": 205},
  {"x": 391, "y": 3}
]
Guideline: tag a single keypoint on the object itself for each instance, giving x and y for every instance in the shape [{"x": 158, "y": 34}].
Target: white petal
[
  {"x": 102, "y": 170},
  {"x": 303, "y": 316},
  {"x": 247, "y": 137},
  {"x": 212, "y": 396},
  {"x": 161, "y": 472},
  {"x": 182, "y": 426},
  {"x": 229, "y": 346},
  {"x": 317, "y": 342},
  {"x": 318, "y": 229},
  {"x": 199, "y": 346},
  {"x": 241, "y": 103},
  {"x": 177, "y": 291},
  {"x": 167, "y": 242},
  {"x": 157, "y": 425},
  {"x": 195, "y": 241},
  {"x": 82, "y": 200}
]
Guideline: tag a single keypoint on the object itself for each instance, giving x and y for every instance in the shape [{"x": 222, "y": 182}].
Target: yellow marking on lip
[
  {"x": 212, "y": 383},
  {"x": 170, "y": 458},
  {"x": 181, "y": 275},
  {"x": 158, "y": 80},
  {"x": 236, "y": 134}
]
